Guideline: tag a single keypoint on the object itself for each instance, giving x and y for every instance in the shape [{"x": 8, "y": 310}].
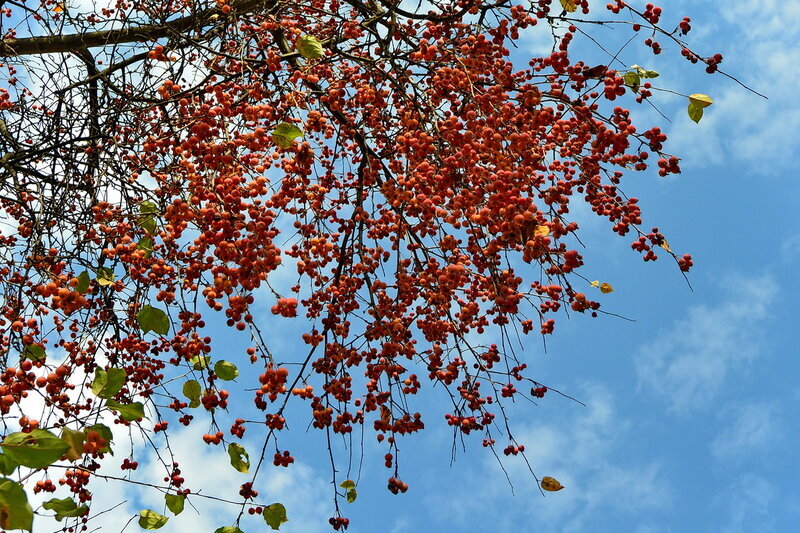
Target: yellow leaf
[
  {"x": 702, "y": 100},
  {"x": 665, "y": 245},
  {"x": 551, "y": 484},
  {"x": 569, "y": 5},
  {"x": 60, "y": 7},
  {"x": 105, "y": 276},
  {"x": 605, "y": 288},
  {"x": 697, "y": 102},
  {"x": 541, "y": 231}
]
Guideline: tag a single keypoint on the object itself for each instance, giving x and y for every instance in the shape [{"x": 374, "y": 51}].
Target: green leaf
[
  {"x": 225, "y": 370},
  {"x": 34, "y": 352},
  {"x": 644, "y": 73},
  {"x": 309, "y": 47},
  {"x": 7, "y": 465},
  {"x": 228, "y": 529},
  {"x": 146, "y": 244},
  {"x": 348, "y": 484},
  {"x": 107, "y": 383},
  {"x": 351, "y": 495},
  {"x": 148, "y": 208},
  {"x": 192, "y": 389},
  {"x": 695, "y": 111},
  {"x": 105, "y": 433},
  {"x": 275, "y": 515},
  {"x": 199, "y": 362},
  {"x": 65, "y": 508},
  {"x": 147, "y": 216},
  {"x": 128, "y": 411},
  {"x": 83, "y": 282},
  {"x": 15, "y": 511},
  {"x": 151, "y": 520},
  {"x": 632, "y": 80},
  {"x": 105, "y": 276},
  {"x": 175, "y": 502},
  {"x": 37, "y": 449},
  {"x": 239, "y": 458},
  {"x": 285, "y": 134},
  {"x": 75, "y": 440},
  {"x": 153, "y": 319},
  {"x": 148, "y": 224}
]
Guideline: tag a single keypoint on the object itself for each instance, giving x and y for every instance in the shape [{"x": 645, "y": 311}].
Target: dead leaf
[
  {"x": 551, "y": 484},
  {"x": 597, "y": 71},
  {"x": 569, "y": 5},
  {"x": 605, "y": 288},
  {"x": 386, "y": 415}
]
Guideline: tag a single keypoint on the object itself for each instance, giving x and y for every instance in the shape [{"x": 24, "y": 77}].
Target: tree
[{"x": 165, "y": 161}]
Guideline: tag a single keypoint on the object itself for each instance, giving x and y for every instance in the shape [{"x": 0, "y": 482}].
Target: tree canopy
[{"x": 383, "y": 172}]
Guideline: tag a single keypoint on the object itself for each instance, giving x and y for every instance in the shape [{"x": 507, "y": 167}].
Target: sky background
[{"x": 691, "y": 406}]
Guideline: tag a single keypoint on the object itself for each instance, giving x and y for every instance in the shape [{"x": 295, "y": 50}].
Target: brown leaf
[
  {"x": 551, "y": 484},
  {"x": 386, "y": 415},
  {"x": 597, "y": 71}
]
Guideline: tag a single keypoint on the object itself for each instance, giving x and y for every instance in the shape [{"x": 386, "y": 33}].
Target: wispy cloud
[
  {"x": 790, "y": 249},
  {"x": 749, "y": 504},
  {"x": 692, "y": 360},
  {"x": 401, "y": 525},
  {"x": 741, "y": 126},
  {"x": 305, "y": 495},
  {"x": 752, "y": 429},
  {"x": 582, "y": 452},
  {"x": 295, "y": 487}
]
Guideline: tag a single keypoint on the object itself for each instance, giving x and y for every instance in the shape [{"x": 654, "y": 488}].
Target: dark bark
[{"x": 53, "y": 44}]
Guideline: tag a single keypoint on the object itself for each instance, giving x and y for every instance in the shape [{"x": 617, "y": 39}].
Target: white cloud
[
  {"x": 690, "y": 362},
  {"x": 207, "y": 468},
  {"x": 749, "y": 505},
  {"x": 790, "y": 248},
  {"x": 401, "y": 525},
  {"x": 653, "y": 528},
  {"x": 306, "y": 496},
  {"x": 751, "y": 429},
  {"x": 769, "y": 19},
  {"x": 741, "y": 126},
  {"x": 581, "y": 453}
]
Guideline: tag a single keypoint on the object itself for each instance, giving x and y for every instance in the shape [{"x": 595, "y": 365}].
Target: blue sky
[{"x": 690, "y": 414}]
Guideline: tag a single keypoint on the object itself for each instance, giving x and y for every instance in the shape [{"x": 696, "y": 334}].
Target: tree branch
[{"x": 54, "y": 44}]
